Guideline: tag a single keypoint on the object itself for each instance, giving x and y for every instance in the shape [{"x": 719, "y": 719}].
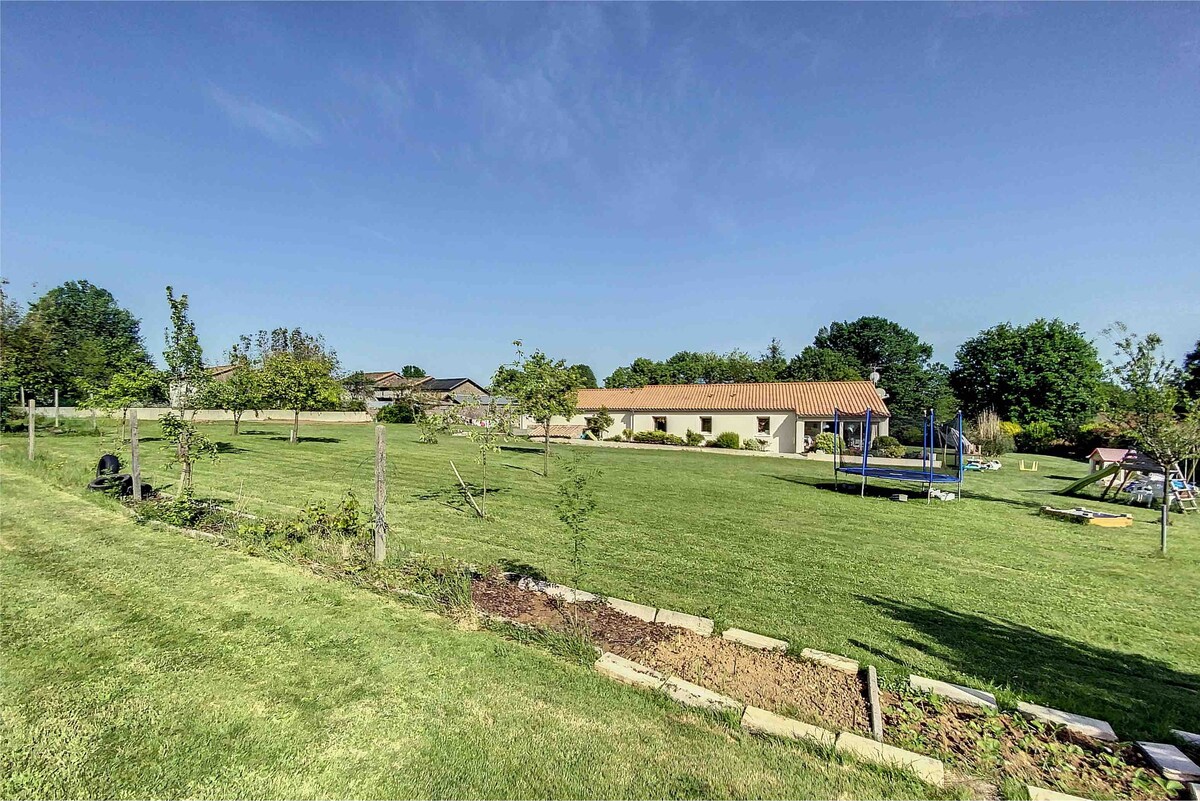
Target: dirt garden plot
[
  {"x": 995, "y": 746},
  {"x": 766, "y": 679},
  {"x": 1003, "y": 745}
]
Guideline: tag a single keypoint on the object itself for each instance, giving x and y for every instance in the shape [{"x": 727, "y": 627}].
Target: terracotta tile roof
[{"x": 806, "y": 398}]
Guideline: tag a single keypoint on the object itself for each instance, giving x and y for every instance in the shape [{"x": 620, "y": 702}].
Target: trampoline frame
[{"x": 925, "y": 475}]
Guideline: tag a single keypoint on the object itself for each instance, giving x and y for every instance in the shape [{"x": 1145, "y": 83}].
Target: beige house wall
[{"x": 786, "y": 429}]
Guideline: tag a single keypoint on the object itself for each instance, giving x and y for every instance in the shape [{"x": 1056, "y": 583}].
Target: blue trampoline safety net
[
  {"x": 863, "y": 447},
  {"x": 900, "y": 474}
]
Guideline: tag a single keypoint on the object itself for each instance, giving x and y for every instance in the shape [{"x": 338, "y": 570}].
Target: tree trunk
[
  {"x": 483, "y": 497},
  {"x": 237, "y": 418},
  {"x": 296, "y": 426},
  {"x": 546, "y": 451},
  {"x": 184, "y": 450}
]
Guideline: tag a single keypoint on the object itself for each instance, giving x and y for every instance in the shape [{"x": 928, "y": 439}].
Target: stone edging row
[{"x": 1171, "y": 762}]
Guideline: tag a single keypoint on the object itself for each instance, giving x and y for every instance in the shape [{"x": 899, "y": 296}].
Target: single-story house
[{"x": 787, "y": 416}]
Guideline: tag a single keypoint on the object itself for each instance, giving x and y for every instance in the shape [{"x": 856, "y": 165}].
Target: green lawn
[
  {"x": 139, "y": 663},
  {"x": 982, "y": 591}
]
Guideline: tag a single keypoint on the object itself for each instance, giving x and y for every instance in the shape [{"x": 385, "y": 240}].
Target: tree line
[{"x": 1046, "y": 376}]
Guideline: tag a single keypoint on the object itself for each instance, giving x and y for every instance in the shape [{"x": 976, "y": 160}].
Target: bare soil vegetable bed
[
  {"x": 611, "y": 630},
  {"x": 767, "y": 679},
  {"x": 770, "y": 680},
  {"x": 1002, "y": 745}
]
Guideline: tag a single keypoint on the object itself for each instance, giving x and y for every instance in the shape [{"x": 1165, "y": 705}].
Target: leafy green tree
[
  {"x": 773, "y": 364},
  {"x": 240, "y": 392},
  {"x": 74, "y": 338},
  {"x": 412, "y": 371},
  {"x": 587, "y": 377},
  {"x": 1191, "y": 373},
  {"x": 913, "y": 382},
  {"x": 292, "y": 382},
  {"x": 576, "y": 503},
  {"x": 357, "y": 385},
  {"x": 600, "y": 422},
  {"x": 488, "y": 426},
  {"x": 1046, "y": 371},
  {"x": 823, "y": 364},
  {"x": 1151, "y": 383},
  {"x": 185, "y": 369},
  {"x": 543, "y": 388},
  {"x": 138, "y": 385}
]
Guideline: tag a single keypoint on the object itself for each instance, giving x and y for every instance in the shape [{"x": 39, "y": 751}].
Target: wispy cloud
[{"x": 271, "y": 123}]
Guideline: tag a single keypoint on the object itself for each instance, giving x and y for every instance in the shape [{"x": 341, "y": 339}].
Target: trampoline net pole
[
  {"x": 866, "y": 447},
  {"x": 837, "y": 458}
]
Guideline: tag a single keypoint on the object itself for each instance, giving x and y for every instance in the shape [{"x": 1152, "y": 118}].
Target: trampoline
[{"x": 946, "y": 441}]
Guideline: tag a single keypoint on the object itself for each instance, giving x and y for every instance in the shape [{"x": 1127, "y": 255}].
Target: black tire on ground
[
  {"x": 121, "y": 483},
  {"x": 109, "y": 465}
]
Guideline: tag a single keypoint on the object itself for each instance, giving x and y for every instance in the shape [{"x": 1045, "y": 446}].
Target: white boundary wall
[{"x": 217, "y": 415}]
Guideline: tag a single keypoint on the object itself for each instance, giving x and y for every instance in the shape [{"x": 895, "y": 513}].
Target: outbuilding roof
[{"x": 806, "y": 398}]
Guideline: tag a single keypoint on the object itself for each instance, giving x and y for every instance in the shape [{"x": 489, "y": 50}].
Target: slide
[{"x": 1090, "y": 478}]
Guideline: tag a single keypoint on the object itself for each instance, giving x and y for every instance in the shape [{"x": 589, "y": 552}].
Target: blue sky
[{"x": 425, "y": 183}]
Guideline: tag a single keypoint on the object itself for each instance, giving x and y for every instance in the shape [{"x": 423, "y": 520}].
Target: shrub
[
  {"x": 826, "y": 441},
  {"x": 599, "y": 422},
  {"x": 888, "y": 446},
  {"x": 726, "y": 439},
  {"x": 658, "y": 438},
  {"x": 1035, "y": 436},
  {"x": 1010, "y": 428},
  {"x": 627, "y": 433},
  {"x": 910, "y": 435},
  {"x": 752, "y": 444},
  {"x": 396, "y": 413},
  {"x": 990, "y": 435},
  {"x": 694, "y": 438}
]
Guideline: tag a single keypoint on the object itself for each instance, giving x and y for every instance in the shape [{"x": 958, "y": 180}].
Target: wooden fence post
[
  {"x": 380, "y": 493},
  {"x": 56, "y": 408},
  {"x": 31, "y": 424},
  {"x": 135, "y": 458}
]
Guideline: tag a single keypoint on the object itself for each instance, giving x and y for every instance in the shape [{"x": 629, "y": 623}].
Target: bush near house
[
  {"x": 396, "y": 413},
  {"x": 910, "y": 435},
  {"x": 658, "y": 438},
  {"x": 726, "y": 439},
  {"x": 887, "y": 446},
  {"x": 694, "y": 438},
  {"x": 826, "y": 441},
  {"x": 754, "y": 444}
]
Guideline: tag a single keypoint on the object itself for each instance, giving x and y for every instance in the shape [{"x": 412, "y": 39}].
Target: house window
[
  {"x": 705, "y": 425},
  {"x": 764, "y": 425},
  {"x": 660, "y": 424}
]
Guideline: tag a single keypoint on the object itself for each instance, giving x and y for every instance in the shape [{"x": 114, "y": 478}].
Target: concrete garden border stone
[
  {"x": 1170, "y": 761},
  {"x": 842, "y": 663},
  {"x": 874, "y": 705},
  {"x": 640, "y": 611},
  {"x": 927, "y": 769},
  {"x": 954, "y": 692},
  {"x": 752, "y": 640},
  {"x": 761, "y": 721},
  {"x": 1080, "y": 724},
  {"x": 701, "y": 625},
  {"x": 559, "y": 591},
  {"x": 629, "y": 672},
  {"x": 694, "y": 695}
]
